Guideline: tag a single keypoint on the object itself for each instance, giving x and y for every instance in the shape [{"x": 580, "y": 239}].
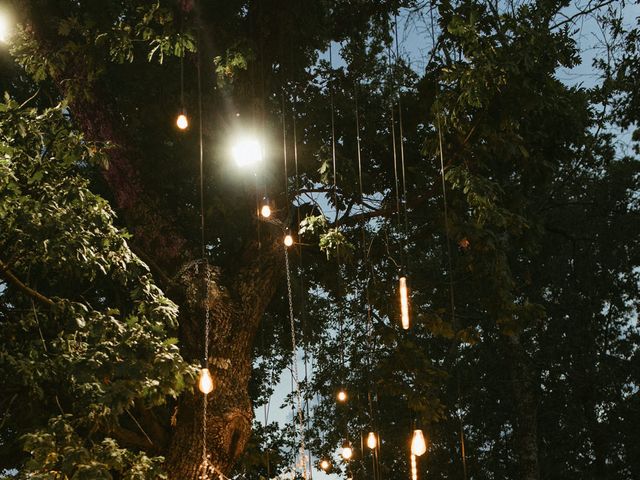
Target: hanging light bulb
[
  {"x": 414, "y": 468},
  {"x": 347, "y": 451},
  {"x": 342, "y": 395},
  {"x": 418, "y": 444},
  {"x": 247, "y": 151},
  {"x": 205, "y": 383},
  {"x": 265, "y": 211},
  {"x": 182, "y": 121},
  {"x": 324, "y": 465},
  {"x": 288, "y": 240},
  {"x": 4, "y": 27},
  {"x": 372, "y": 440},
  {"x": 404, "y": 303}
]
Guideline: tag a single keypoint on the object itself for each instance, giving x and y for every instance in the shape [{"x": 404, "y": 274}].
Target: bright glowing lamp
[
  {"x": 324, "y": 465},
  {"x": 347, "y": 451},
  {"x": 265, "y": 211},
  {"x": 288, "y": 240},
  {"x": 205, "y": 383},
  {"x": 182, "y": 121},
  {"x": 404, "y": 303},
  {"x": 4, "y": 27},
  {"x": 418, "y": 444},
  {"x": 246, "y": 151},
  {"x": 372, "y": 440},
  {"x": 342, "y": 396}
]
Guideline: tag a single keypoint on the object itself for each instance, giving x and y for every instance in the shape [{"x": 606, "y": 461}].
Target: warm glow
[
  {"x": 347, "y": 451},
  {"x": 324, "y": 465},
  {"x": 418, "y": 444},
  {"x": 342, "y": 396},
  {"x": 404, "y": 303},
  {"x": 372, "y": 440},
  {"x": 4, "y": 27},
  {"x": 182, "y": 122},
  {"x": 205, "y": 383},
  {"x": 265, "y": 211},
  {"x": 246, "y": 151},
  {"x": 414, "y": 468},
  {"x": 288, "y": 240}
]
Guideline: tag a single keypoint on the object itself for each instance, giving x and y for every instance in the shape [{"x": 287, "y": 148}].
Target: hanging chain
[{"x": 294, "y": 369}]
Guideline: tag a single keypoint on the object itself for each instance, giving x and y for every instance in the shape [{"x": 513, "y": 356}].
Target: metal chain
[{"x": 294, "y": 368}]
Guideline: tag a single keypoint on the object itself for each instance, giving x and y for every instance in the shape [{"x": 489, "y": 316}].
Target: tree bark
[
  {"x": 235, "y": 310},
  {"x": 526, "y": 415}
]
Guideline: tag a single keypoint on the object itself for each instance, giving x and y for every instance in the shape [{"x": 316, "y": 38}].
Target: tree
[{"x": 497, "y": 332}]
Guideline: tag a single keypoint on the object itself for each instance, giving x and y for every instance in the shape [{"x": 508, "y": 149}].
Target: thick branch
[{"x": 11, "y": 278}]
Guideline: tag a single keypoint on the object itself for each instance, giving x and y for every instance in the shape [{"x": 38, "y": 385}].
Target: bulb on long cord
[
  {"x": 404, "y": 303},
  {"x": 342, "y": 395},
  {"x": 182, "y": 122},
  {"x": 414, "y": 468},
  {"x": 418, "y": 443},
  {"x": 347, "y": 451},
  {"x": 288, "y": 240},
  {"x": 205, "y": 383},
  {"x": 372, "y": 440}
]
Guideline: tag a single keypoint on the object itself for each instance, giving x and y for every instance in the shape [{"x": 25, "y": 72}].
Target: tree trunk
[
  {"x": 526, "y": 403},
  {"x": 235, "y": 311},
  {"x": 236, "y": 306}
]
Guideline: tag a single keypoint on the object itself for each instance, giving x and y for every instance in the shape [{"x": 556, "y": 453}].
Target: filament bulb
[
  {"x": 372, "y": 440},
  {"x": 265, "y": 211},
  {"x": 418, "y": 444},
  {"x": 404, "y": 303},
  {"x": 347, "y": 451},
  {"x": 288, "y": 240},
  {"x": 182, "y": 121},
  {"x": 205, "y": 383},
  {"x": 342, "y": 396},
  {"x": 324, "y": 465}
]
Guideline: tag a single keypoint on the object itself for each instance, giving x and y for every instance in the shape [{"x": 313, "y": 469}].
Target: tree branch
[{"x": 11, "y": 278}]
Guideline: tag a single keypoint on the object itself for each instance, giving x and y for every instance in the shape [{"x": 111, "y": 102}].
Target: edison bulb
[
  {"x": 347, "y": 451},
  {"x": 288, "y": 240},
  {"x": 205, "y": 383},
  {"x": 182, "y": 121},
  {"x": 324, "y": 465},
  {"x": 342, "y": 396},
  {"x": 404, "y": 303},
  {"x": 418, "y": 444},
  {"x": 4, "y": 27},
  {"x": 265, "y": 211},
  {"x": 372, "y": 440},
  {"x": 246, "y": 151}
]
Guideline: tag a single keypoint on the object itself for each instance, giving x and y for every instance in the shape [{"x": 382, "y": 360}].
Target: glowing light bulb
[
  {"x": 414, "y": 468},
  {"x": 342, "y": 396},
  {"x": 288, "y": 240},
  {"x": 265, "y": 211},
  {"x": 182, "y": 121},
  {"x": 418, "y": 444},
  {"x": 372, "y": 441},
  {"x": 4, "y": 27},
  {"x": 324, "y": 465},
  {"x": 404, "y": 303},
  {"x": 347, "y": 451},
  {"x": 205, "y": 383},
  {"x": 246, "y": 151}
]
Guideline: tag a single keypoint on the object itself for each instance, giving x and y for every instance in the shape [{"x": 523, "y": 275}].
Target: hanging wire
[
  {"x": 402, "y": 162},
  {"x": 367, "y": 264},
  {"x": 294, "y": 369}
]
